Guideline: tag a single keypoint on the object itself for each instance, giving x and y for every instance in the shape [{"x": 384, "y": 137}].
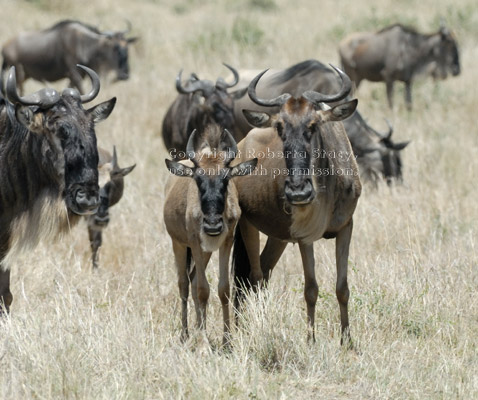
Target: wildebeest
[
  {"x": 48, "y": 166},
  {"x": 199, "y": 103},
  {"x": 201, "y": 214},
  {"x": 399, "y": 53},
  {"x": 52, "y": 54},
  {"x": 111, "y": 182},
  {"x": 306, "y": 188},
  {"x": 377, "y": 155}
]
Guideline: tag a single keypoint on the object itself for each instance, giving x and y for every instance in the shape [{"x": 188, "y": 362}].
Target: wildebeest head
[
  {"x": 446, "y": 54},
  {"x": 212, "y": 102},
  {"x": 297, "y": 124},
  {"x": 111, "y": 188},
  {"x": 211, "y": 155},
  {"x": 69, "y": 152}
]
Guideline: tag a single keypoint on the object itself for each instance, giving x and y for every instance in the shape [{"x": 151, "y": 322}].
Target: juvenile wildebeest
[
  {"x": 306, "y": 188},
  {"x": 48, "y": 167},
  {"x": 111, "y": 182},
  {"x": 198, "y": 104},
  {"x": 399, "y": 53},
  {"x": 201, "y": 214},
  {"x": 376, "y": 153},
  {"x": 52, "y": 54}
]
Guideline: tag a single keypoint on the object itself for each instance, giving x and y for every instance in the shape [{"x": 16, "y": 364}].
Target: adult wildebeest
[
  {"x": 306, "y": 188},
  {"x": 201, "y": 215},
  {"x": 48, "y": 166},
  {"x": 399, "y": 53},
  {"x": 111, "y": 182},
  {"x": 377, "y": 154},
  {"x": 198, "y": 104},
  {"x": 52, "y": 54}
]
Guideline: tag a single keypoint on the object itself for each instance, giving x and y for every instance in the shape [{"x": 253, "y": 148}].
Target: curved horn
[
  {"x": 114, "y": 160},
  {"x": 231, "y": 147},
  {"x": 388, "y": 135},
  {"x": 190, "y": 150},
  {"x": 277, "y": 101},
  {"x": 95, "y": 81},
  {"x": 222, "y": 83},
  {"x": 44, "y": 98},
  {"x": 345, "y": 89},
  {"x": 204, "y": 86},
  {"x": 128, "y": 27}
]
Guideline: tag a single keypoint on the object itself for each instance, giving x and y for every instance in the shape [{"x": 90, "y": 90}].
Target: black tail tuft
[{"x": 241, "y": 268}]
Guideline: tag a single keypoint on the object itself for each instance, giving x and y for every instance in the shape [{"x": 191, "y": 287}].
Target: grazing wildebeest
[
  {"x": 306, "y": 188},
  {"x": 52, "y": 54},
  {"x": 399, "y": 53},
  {"x": 48, "y": 166},
  {"x": 111, "y": 182},
  {"x": 198, "y": 104},
  {"x": 377, "y": 154},
  {"x": 201, "y": 215}
]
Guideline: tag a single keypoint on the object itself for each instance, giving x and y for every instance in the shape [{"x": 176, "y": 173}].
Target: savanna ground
[{"x": 114, "y": 333}]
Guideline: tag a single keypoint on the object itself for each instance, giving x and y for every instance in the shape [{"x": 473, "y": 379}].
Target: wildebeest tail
[{"x": 241, "y": 268}]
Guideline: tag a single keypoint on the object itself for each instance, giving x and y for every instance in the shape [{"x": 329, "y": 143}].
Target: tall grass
[{"x": 114, "y": 333}]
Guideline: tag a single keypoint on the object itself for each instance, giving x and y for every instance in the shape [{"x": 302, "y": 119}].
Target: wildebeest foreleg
[
  {"x": 389, "y": 85},
  {"x": 311, "y": 289},
  {"x": 252, "y": 244},
  {"x": 6, "y": 297},
  {"x": 180, "y": 256},
  {"x": 95, "y": 236},
  {"x": 342, "y": 244},
  {"x": 408, "y": 95},
  {"x": 201, "y": 259},
  {"x": 270, "y": 256},
  {"x": 223, "y": 288}
]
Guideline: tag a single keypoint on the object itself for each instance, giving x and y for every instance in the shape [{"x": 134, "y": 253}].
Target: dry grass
[{"x": 114, "y": 334}]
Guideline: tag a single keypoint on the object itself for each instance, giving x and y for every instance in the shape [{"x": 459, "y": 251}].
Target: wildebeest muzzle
[
  {"x": 299, "y": 191},
  {"x": 83, "y": 200},
  {"x": 213, "y": 225}
]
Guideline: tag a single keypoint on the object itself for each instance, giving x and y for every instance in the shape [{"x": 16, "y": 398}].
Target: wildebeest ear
[
  {"x": 244, "y": 168},
  {"x": 339, "y": 112},
  {"x": 257, "y": 119},
  {"x": 123, "y": 171},
  {"x": 179, "y": 169},
  {"x": 400, "y": 146},
  {"x": 238, "y": 94},
  {"x": 102, "y": 111},
  {"x": 132, "y": 39}
]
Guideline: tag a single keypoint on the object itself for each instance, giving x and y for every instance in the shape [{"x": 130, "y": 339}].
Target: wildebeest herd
[{"x": 282, "y": 152}]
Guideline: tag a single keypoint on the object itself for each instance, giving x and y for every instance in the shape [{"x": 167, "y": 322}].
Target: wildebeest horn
[
  {"x": 114, "y": 160},
  {"x": 95, "y": 81},
  {"x": 316, "y": 97},
  {"x": 190, "y": 148},
  {"x": 277, "y": 101},
  {"x": 205, "y": 86},
  {"x": 128, "y": 27},
  {"x": 222, "y": 83},
  {"x": 230, "y": 146},
  {"x": 44, "y": 98}
]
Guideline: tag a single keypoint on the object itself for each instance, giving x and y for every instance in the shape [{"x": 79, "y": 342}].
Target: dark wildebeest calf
[
  {"x": 52, "y": 54},
  {"x": 48, "y": 167},
  {"x": 377, "y": 155},
  {"x": 307, "y": 188},
  {"x": 198, "y": 104},
  {"x": 399, "y": 53},
  {"x": 111, "y": 182},
  {"x": 201, "y": 215}
]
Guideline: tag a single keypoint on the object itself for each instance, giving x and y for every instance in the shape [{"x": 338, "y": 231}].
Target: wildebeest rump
[
  {"x": 199, "y": 103},
  {"x": 399, "y": 53},
  {"x": 377, "y": 155},
  {"x": 306, "y": 189},
  {"x": 201, "y": 214},
  {"x": 111, "y": 182},
  {"x": 48, "y": 166},
  {"x": 52, "y": 54}
]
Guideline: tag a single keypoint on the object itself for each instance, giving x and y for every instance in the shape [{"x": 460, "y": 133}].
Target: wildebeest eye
[{"x": 63, "y": 131}]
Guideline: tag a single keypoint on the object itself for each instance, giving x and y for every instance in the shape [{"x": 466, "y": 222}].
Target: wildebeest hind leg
[
  {"x": 270, "y": 256},
  {"x": 6, "y": 297}
]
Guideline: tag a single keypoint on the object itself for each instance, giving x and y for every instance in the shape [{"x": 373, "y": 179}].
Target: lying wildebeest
[
  {"x": 52, "y": 54},
  {"x": 399, "y": 53},
  {"x": 306, "y": 188},
  {"x": 198, "y": 104},
  {"x": 48, "y": 166},
  {"x": 111, "y": 182},
  {"x": 377, "y": 154},
  {"x": 201, "y": 215}
]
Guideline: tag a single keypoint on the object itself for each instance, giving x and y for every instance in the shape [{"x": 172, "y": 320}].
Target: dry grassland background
[{"x": 413, "y": 275}]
